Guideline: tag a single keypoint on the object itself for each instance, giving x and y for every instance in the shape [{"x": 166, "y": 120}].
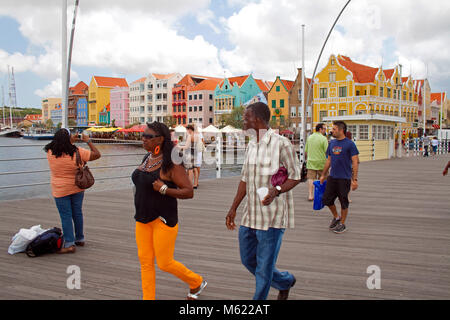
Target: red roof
[
  {"x": 361, "y": 73},
  {"x": 288, "y": 84},
  {"x": 388, "y": 73},
  {"x": 79, "y": 88},
  {"x": 139, "y": 80},
  {"x": 208, "y": 84},
  {"x": 436, "y": 96},
  {"x": 160, "y": 76},
  {"x": 110, "y": 82}
]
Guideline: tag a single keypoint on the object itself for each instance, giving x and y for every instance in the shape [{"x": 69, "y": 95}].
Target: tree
[
  {"x": 59, "y": 125},
  {"x": 72, "y": 123},
  {"x": 169, "y": 121},
  {"x": 49, "y": 124},
  {"x": 235, "y": 118},
  {"x": 113, "y": 123}
]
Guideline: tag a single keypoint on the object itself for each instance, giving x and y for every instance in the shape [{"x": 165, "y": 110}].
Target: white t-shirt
[{"x": 435, "y": 142}]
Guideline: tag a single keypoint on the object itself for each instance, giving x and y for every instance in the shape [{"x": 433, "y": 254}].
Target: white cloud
[
  {"x": 207, "y": 17},
  {"x": 266, "y": 35},
  {"x": 51, "y": 90}
]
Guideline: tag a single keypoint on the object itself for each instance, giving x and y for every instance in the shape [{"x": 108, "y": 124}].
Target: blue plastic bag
[{"x": 319, "y": 190}]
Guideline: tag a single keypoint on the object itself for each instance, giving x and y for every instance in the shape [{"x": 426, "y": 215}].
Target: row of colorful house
[{"x": 341, "y": 90}]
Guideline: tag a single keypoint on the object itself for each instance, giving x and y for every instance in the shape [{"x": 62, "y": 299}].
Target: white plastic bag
[{"x": 21, "y": 239}]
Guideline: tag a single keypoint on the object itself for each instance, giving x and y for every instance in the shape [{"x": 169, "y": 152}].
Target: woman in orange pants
[{"x": 159, "y": 182}]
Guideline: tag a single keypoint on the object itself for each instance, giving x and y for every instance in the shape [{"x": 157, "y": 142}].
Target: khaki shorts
[{"x": 314, "y": 174}]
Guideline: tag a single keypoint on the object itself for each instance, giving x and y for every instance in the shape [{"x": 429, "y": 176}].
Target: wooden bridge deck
[{"x": 399, "y": 220}]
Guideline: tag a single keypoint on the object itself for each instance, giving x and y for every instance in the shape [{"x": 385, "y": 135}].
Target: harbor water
[{"x": 33, "y": 158}]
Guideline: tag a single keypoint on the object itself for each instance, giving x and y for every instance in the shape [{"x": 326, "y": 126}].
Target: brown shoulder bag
[{"x": 83, "y": 178}]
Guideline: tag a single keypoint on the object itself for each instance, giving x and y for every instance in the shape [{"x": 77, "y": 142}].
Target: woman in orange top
[{"x": 61, "y": 156}]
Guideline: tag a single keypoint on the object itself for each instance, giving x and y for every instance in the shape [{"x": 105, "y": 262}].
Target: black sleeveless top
[{"x": 150, "y": 204}]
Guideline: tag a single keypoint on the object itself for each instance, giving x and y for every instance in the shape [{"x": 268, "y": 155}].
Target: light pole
[
  {"x": 303, "y": 134},
  {"x": 399, "y": 138}
]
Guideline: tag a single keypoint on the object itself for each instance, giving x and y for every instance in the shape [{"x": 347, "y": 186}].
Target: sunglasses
[{"x": 150, "y": 136}]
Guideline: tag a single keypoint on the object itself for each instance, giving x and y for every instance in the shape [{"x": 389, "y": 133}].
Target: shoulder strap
[{"x": 78, "y": 157}]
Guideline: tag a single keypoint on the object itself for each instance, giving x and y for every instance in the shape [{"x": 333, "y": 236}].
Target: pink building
[
  {"x": 201, "y": 103},
  {"x": 119, "y": 104}
]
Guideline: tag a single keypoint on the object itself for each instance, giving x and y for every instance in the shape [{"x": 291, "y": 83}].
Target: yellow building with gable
[
  {"x": 278, "y": 100},
  {"x": 343, "y": 89},
  {"x": 99, "y": 95}
]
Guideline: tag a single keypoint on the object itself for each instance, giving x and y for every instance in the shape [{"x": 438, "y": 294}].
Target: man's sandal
[{"x": 194, "y": 296}]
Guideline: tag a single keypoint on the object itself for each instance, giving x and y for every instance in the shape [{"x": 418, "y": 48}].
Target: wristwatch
[{"x": 279, "y": 190}]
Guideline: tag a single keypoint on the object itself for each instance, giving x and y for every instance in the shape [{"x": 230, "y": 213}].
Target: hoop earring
[{"x": 157, "y": 149}]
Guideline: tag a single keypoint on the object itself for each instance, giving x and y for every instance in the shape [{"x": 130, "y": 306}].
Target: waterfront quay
[{"x": 399, "y": 220}]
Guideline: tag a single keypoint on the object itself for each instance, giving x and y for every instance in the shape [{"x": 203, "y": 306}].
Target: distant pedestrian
[
  {"x": 444, "y": 173},
  {"x": 315, "y": 156},
  {"x": 159, "y": 183},
  {"x": 189, "y": 152},
  {"x": 198, "y": 159},
  {"x": 434, "y": 145},
  {"x": 426, "y": 143},
  {"x": 343, "y": 159},
  {"x": 61, "y": 156},
  {"x": 264, "y": 222}
]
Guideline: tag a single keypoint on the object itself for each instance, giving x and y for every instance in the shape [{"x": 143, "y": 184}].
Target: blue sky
[{"x": 214, "y": 37}]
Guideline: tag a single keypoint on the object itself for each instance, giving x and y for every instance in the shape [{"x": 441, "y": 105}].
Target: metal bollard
[{"x": 219, "y": 158}]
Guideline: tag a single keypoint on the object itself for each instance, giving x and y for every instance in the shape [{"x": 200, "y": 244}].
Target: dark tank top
[{"x": 150, "y": 204}]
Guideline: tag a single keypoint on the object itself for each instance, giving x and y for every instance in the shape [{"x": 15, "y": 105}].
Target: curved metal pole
[
  {"x": 311, "y": 87},
  {"x": 69, "y": 61}
]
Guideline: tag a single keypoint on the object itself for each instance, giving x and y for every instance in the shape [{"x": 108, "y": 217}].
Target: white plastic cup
[{"x": 262, "y": 192}]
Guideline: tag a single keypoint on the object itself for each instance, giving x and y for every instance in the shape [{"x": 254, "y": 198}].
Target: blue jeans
[
  {"x": 69, "y": 208},
  {"x": 259, "y": 252}
]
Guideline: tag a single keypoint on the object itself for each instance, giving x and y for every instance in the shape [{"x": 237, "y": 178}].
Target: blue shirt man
[{"x": 342, "y": 157}]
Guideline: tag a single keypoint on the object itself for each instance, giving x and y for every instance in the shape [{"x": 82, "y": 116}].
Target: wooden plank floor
[{"x": 399, "y": 220}]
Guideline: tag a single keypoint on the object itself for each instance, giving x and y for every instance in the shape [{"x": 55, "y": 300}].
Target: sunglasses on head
[{"x": 150, "y": 136}]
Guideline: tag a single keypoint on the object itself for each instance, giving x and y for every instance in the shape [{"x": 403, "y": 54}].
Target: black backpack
[{"x": 48, "y": 242}]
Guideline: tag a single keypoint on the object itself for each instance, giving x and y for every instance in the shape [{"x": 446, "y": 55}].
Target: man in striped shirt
[{"x": 264, "y": 222}]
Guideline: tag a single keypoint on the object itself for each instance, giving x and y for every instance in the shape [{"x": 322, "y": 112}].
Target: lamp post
[
  {"x": 303, "y": 133},
  {"x": 399, "y": 138}
]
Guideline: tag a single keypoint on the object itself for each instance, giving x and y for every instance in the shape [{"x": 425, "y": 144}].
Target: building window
[
  {"x": 190, "y": 97},
  {"x": 195, "y": 108},
  {"x": 381, "y": 92},
  {"x": 352, "y": 130},
  {"x": 360, "y": 112},
  {"x": 357, "y": 92},
  {"x": 190, "y": 120},
  {"x": 323, "y": 92},
  {"x": 190, "y": 109},
  {"x": 293, "y": 111},
  {"x": 210, "y": 108},
  {"x": 342, "y": 112},
  {"x": 210, "y": 97},
  {"x": 322, "y": 114},
  {"x": 179, "y": 108},
  {"x": 300, "y": 94},
  {"x": 332, "y": 61},
  {"x": 363, "y": 132},
  {"x": 200, "y": 96},
  {"x": 282, "y": 103},
  {"x": 210, "y": 120},
  {"x": 274, "y": 103},
  {"x": 394, "y": 94},
  {"x": 342, "y": 92},
  {"x": 174, "y": 109},
  {"x": 388, "y": 92},
  {"x": 404, "y": 95},
  {"x": 332, "y": 77},
  {"x": 195, "y": 97},
  {"x": 278, "y": 88},
  {"x": 184, "y": 108},
  {"x": 410, "y": 96},
  {"x": 200, "y": 108}
]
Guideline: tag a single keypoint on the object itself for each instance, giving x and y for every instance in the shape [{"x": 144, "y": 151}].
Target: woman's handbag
[{"x": 83, "y": 178}]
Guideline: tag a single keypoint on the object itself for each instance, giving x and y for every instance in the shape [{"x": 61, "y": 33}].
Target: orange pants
[{"x": 157, "y": 240}]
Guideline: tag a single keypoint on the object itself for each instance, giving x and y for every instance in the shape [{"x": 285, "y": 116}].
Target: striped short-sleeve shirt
[{"x": 262, "y": 160}]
